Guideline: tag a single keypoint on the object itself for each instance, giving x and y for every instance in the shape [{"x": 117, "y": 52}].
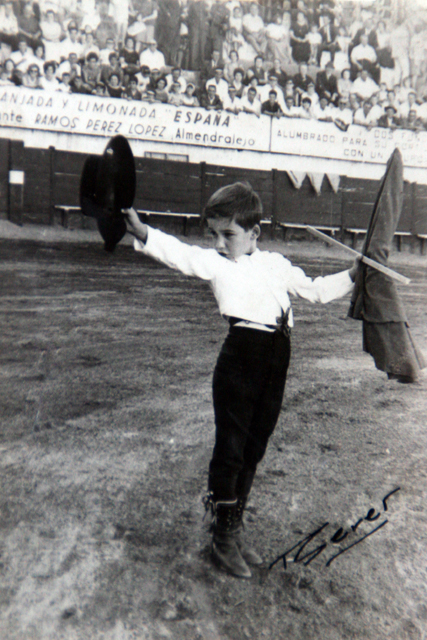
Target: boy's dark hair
[{"x": 237, "y": 201}]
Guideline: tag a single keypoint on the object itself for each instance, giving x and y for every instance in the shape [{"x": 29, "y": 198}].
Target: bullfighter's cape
[{"x": 375, "y": 300}]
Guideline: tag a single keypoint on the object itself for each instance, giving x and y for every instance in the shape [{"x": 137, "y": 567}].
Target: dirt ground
[{"x": 106, "y": 434}]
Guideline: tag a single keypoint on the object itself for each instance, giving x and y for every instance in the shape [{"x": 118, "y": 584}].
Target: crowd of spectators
[{"x": 313, "y": 59}]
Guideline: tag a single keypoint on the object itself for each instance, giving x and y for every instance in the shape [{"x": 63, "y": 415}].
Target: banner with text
[
  {"x": 93, "y": 115},
  {"x": 357, "y": 144}
]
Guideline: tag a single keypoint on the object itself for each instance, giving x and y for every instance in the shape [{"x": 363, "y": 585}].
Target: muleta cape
[{"x": 375, "y": 299}]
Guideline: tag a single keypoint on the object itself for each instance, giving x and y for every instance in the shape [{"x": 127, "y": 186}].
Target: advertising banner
[
  {"x": 93, "y": 115},
  {"x": 357, "y": 144}
]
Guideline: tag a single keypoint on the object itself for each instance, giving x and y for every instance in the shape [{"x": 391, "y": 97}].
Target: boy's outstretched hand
[
  {"x": 352, "y": 272},
  {"x": 134, "y": 224}
]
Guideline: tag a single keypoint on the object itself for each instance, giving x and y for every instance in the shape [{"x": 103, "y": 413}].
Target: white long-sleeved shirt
[{"x": 243, "y": 288}]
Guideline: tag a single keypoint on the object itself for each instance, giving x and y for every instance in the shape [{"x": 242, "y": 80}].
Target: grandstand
[{"x": 311, "y": 94}]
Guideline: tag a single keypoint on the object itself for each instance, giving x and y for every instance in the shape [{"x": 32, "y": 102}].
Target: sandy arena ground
[{"x": 106, "y": 434}]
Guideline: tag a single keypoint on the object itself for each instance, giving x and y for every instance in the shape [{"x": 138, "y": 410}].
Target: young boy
[{"x": 252, "y": 290}]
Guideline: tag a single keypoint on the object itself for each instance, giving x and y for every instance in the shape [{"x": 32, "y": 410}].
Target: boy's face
[{"x": 230, "y": 239}]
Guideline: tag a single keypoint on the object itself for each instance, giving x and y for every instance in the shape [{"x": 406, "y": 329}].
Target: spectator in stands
[
  {"x": 384, "y": 50},
  {"x": 311, "y": 93},
  {"x": 389, "y": 119},
  {"x": 64, "y": 84},
  {"x": 130, "y": 56},
  {"x": 299, "y": 39},
  {"x": 107, "y": 28},
  {"x": 326, "y": 84},
  {"x": 238, "y": 81},
  {"x": 9, "y": 74},
  {"x": 5, "y": 81},
  {"x": 344, "y": 84},
  {"x": 91, "y": 72},
  {"x": 29, "y": 25},
  {"x": 176, "y": 77},
  {"x": 343, "y": 115},
  {"x": 113, "y": 86},
  {"x": 342, "y": 41},
  {"x": 167, "y": 30},
  {"x": 364, "y": 86},
  {"x": 236, "y": 19},
  {"x": 152, "y": 57},
  {"x": 71, "y": 44},
  {"x": 409, "y": 105},
  {"x": 188, "y": 98},
  {"x": 353, "y": 102},
  {"x": 221, "y": 85},
  {"x": 211, "y": 100},
  {"x": 364, "y": 117},
  {"x": 70, "y": 66},
  {"x": 31, "y": 79},
  {"x": 48, "y": 82},
  {"x": 232, "y": 103},
  {"x": 329, "y": 34},
  {"x": 231, "y": 66},
  {"x": 363, "y": 57},
  {"x": 23, "y": 56},
  {"x": 412, "y": 122},
  {"x": 305, "y": 111},
  {"x": 143, "y": 28},
  {"x": 155, "y": 75},
  {"x": 104, "y": 54},
  {"x": 175, "y": 96},
  {"x": 376, "y": 110},
  {"x": 143, "y": 78},
  {"x": 290, "y": 110},
  {"x": 208, "y": 70},
  {"x": 271, "y": 107},
  {"x": 272, "y": 85},
  {"x": 100, "y": 90},
  {"x": 218, "y": 25},
  {"x": 89, "y": 45},
  {"x": 149, "y": 96},
  {"x": 301, "y": 81},
  {"x": 280, "y": 73},
  {"x": 324, "y": 111},
  {"x": 51, "y": 33},
  {"x": 9, "y": 28},
  {"x": 113, "y": 67},
  {"x": 253, "y": 84},
  {"x": 391, "y": 99},
  {"x": 251, "y": 103},
  {"x": 254, "y": 30},
  {"x": 257, "y": 70},
  {"x": 161, "y": 92},
  {"x": 278, "y": 36},
  {"x": 288, "y": 91},
  {"x": 5, "y": 51},
  {"x": 315, "y": 39},
  {"x": 131, "y": 92}
]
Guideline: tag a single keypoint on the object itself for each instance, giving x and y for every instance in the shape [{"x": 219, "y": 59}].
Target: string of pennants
[{"x": 316, "y": 180}]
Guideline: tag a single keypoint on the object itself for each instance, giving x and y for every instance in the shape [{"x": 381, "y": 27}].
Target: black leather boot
[
  {"x": 225, "y": 552},
  {"x": 249, "y": 554}
]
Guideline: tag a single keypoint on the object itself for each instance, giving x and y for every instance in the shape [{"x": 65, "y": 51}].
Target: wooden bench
[
  {"x": 356, "y": 232},
  {"x": 65, "y": 211},
  {"x": 297, "y": 225},
  {"x": 422, "y": 237},
  {"x": 185, "y": 217}
]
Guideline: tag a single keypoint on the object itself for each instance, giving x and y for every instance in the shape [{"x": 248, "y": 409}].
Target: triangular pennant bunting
[
  {"x": 334, "y": 181},
  {"x": 316, "y": 180},
  {"x": 297, "y": 178}
]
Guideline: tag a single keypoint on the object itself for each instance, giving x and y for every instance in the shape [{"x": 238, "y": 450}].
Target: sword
[{"x": 356, "y": 254}]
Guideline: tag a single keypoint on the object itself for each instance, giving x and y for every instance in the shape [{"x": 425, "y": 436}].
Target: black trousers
[{"x": 248, "y": 386}]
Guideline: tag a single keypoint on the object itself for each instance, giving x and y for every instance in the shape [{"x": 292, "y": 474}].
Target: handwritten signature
[{"x": 338, "y": 537}]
